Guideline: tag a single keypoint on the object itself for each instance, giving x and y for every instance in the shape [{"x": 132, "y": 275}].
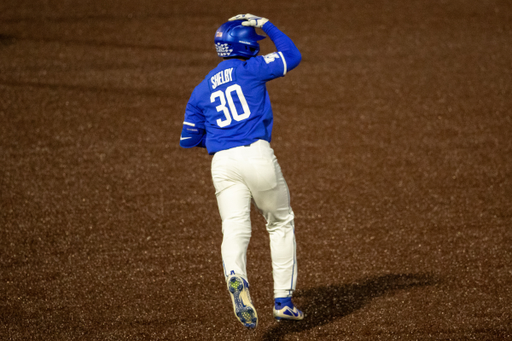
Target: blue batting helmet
[{"x": 232, "y": 39}]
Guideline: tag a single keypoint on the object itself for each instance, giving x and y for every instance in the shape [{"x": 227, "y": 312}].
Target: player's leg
[
  {"x": 234, "y": 207},
  {"x": 234, "y": 203},
  {"x": 234, "y": 200},
  {"x": 274, "y": 205},
  {"x": 271, "y": 196}
]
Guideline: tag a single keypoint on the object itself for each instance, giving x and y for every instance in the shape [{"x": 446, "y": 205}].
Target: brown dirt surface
[{"x": 394, "y": 134}]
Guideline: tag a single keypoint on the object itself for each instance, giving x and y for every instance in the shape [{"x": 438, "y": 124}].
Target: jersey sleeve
[
  {"x": 267, "y": 67},
  {"x": 193, "y": 133}
]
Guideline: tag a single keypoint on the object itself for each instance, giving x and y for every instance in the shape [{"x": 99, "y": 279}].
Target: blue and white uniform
[{"x": 229, "y": 113}]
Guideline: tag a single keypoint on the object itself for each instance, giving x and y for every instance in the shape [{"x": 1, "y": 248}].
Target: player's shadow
[{"x": 325, "y": 304}]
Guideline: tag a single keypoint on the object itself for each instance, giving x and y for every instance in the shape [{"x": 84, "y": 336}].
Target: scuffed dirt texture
[{"x": 394, "y": 134}]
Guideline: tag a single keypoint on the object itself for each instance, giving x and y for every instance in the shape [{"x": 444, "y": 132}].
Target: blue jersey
[{"x": 231, "y": 106}]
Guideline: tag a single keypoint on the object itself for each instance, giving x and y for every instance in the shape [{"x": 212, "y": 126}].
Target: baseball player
[{"x": 229, "y": 113}]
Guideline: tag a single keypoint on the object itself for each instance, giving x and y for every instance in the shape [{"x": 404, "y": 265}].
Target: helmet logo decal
[
  {"x": 223, "y": 50},
  {"x": 218, "y": 34}
]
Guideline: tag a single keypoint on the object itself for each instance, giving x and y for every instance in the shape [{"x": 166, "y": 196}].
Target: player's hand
[{"x": 251, "y": 20}]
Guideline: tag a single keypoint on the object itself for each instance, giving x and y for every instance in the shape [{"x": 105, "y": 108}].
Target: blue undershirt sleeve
[
  {"x": 284, "y": 45},
  {"x": 192, "y": 137}
]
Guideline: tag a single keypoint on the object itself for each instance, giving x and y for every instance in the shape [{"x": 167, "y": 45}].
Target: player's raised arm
[{"x": 282, "y": 42}]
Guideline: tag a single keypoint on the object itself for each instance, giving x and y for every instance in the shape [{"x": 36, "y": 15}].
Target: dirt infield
[{"x": 394, "y": 134}]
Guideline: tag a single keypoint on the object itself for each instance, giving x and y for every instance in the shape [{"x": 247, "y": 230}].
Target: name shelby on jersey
[{"x": 222, "y": 77}]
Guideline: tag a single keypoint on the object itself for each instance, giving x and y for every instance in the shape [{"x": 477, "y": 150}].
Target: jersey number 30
[{"x": 232, "y": 111}]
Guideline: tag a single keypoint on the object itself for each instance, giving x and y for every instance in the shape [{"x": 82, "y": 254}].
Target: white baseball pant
[{"x": 248, "y": 174}]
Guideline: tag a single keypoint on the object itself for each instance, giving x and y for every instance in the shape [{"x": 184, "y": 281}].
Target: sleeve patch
[{"x": 269, "y": 58}]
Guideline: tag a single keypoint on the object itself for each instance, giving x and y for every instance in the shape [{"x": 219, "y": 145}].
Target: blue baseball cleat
[
  {"x": 285, "y": 310},
  {"x": 242, "y": 304}
]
